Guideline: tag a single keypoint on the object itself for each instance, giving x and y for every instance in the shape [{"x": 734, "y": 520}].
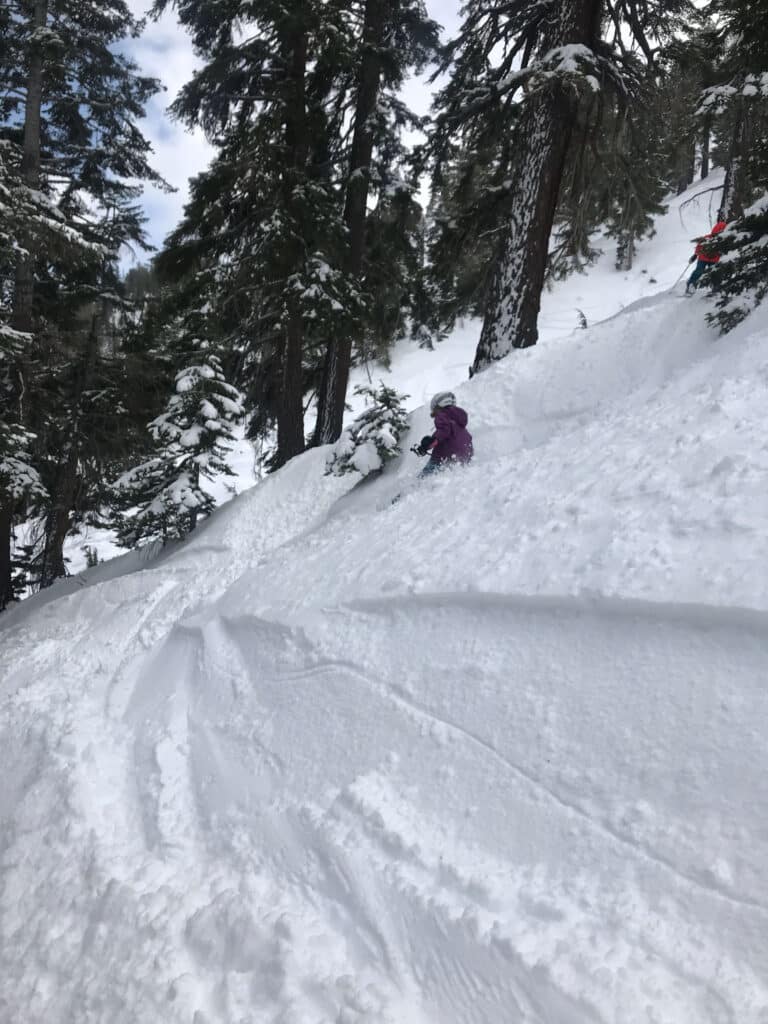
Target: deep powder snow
[{"x": 492, "y": 754}]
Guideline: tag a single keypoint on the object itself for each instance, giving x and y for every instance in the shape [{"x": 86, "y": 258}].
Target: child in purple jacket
[{"x": 451, "y": 442}]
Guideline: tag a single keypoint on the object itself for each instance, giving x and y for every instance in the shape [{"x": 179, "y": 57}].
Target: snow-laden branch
[{"x": 574, "y": 62}]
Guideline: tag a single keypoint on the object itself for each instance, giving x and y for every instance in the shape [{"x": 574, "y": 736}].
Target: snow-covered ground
[
  {"x": 494, "y": 753},
  {"x": 598, "y": 294}
]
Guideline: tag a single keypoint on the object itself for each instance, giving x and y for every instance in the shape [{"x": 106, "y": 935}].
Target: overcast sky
[{"x": 164, "y": 51}]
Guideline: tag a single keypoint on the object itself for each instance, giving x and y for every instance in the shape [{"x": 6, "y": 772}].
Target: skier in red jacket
[{"x": 703, "y": 258}]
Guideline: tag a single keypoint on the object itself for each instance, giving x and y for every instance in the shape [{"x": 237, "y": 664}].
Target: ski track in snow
[
  {"x": 568, "y": 806},
  {"x": 494, "y": 754},
  {"x": 205, "y": 811}
]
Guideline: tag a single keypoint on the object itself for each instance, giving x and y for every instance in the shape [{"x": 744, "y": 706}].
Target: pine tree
[
  {"x": 17, "y": 477},
  {"x": 28, "y": 219},
  {"x": 555, "y": 44},
  {"x": 396, "y": 39},
  {"x": 303, "y": 110},
  {"x": 737, "y": 101},
  {"x": 738, "y": 105},
  {"x": 19, "y": 484},
  {"x": 71, "y": 100},
  {"x": 470, "y": 192},
  {"x": 556, "y": 52},
  {"x": 740, "y": 281},
  {"x": 164, "y": 496},
  {"x": 637, "y": 185},
  {"x": 263, "y": 233},
  {"x": 392, "y": 273},
  {"x": 587, "y": 197},
  {"x": 373, "y": 438}
]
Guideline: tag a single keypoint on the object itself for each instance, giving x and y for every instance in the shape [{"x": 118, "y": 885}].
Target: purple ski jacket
[{"x": 452, "y": 440}]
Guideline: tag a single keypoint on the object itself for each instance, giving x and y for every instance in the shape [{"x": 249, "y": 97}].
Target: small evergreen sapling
[
  {"x": 739, "y": 282},
  {"x": 20, "y": 486},
  {"x": 19, "y": 480},
  {"x": 373, "y": 438},
  {"x": 163, "y": 497}
]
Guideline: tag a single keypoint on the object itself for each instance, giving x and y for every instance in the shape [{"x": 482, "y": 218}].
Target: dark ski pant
[
  {"x": 433, "y": 466},
  {"x": 438, "y": 465},
  {"x": 701, "y": 267}
]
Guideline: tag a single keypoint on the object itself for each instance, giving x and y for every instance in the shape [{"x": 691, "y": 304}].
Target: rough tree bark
[
  {"x": 512, "y": 305},
  {"x": 706, "y": 143},
  {"x": 691, "y": 166},
  {"x": 735, "y": 184},
  {"x": 333, "y": 390},
  {"x": 64, "y": 494},
  {"x": 24, "y": 283},
  {"x": 290, "y": 413},
  {"x": 6, "y": 532}
]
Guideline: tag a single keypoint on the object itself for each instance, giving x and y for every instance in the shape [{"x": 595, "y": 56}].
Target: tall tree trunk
[
  {"x": 333, "y": 391},
  {"x": 24, "y": 282},
  {"x": 23, "y": 292},
  {"x": 735, "y": 184},
  {"x": 290, "y": 412},
  {"x": 58, "y": 520},
  {"x": 514, "y": 297},
  {"x": 6, "y": 533},
  {"x": 691, "y": 163},
  {"x": 290, "y": 415},
  {"x": 706, "y": 141}
]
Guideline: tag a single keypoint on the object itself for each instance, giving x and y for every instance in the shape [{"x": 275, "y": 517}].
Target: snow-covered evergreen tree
[
  {"x": 738, "y": 106},
  {"x": 263, "y": 234},
  {"x": 739, "y": 282},
  {"x": 635, "y": 180},
  {"x": 19, "y": 484},
  {"x": 470, "y": 190},
  {"x": 392, "y": 273},
  {"x": 164, "y": 496},
  {"x": 301, "y": 101},
  {"x": 28, "y": 219},
  {"x": 373, "y": 438},
  {"x": 736, "y": 102},
  {"x": 523, "y": 67},
  {"x": 394, "y": 38},
  {"x": 70, "y": 102}
]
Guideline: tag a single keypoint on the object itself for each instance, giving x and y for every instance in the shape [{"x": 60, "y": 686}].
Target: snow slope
[
  {"x": 598, "y": 294},
  {"x": 491, "y": 754}
]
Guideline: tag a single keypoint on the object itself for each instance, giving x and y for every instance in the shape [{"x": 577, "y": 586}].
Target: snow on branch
[
  {"x": 718, "y": 98},
  {"x": 574, "y": 62}
]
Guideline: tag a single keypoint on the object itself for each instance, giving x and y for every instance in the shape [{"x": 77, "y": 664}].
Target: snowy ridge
[{"x": 491, "y": 754}]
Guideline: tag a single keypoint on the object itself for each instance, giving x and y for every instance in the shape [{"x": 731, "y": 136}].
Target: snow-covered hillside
[
  {"x": 494, "y": 753},
  {"x": 597, "y": 295}
]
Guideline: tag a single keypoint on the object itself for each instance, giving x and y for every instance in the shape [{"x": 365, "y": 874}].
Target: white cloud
[
  {"x": 445, "y": 13},
  {"x": 165, "y": 51}
]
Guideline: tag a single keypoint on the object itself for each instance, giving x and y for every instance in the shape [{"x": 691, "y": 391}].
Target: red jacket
[{"x": 705, "y": 256}]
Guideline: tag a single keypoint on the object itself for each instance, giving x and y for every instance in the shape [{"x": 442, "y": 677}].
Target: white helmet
[{"x": 441, "y": 400}]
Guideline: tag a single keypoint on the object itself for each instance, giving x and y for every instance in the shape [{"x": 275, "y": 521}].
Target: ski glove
[
  {"x": 693, "y": 258},
  {"x": 423, "y": 447}
]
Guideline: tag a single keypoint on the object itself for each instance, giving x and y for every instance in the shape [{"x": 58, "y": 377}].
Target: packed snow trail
[{"x": 410, "y": 810}]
